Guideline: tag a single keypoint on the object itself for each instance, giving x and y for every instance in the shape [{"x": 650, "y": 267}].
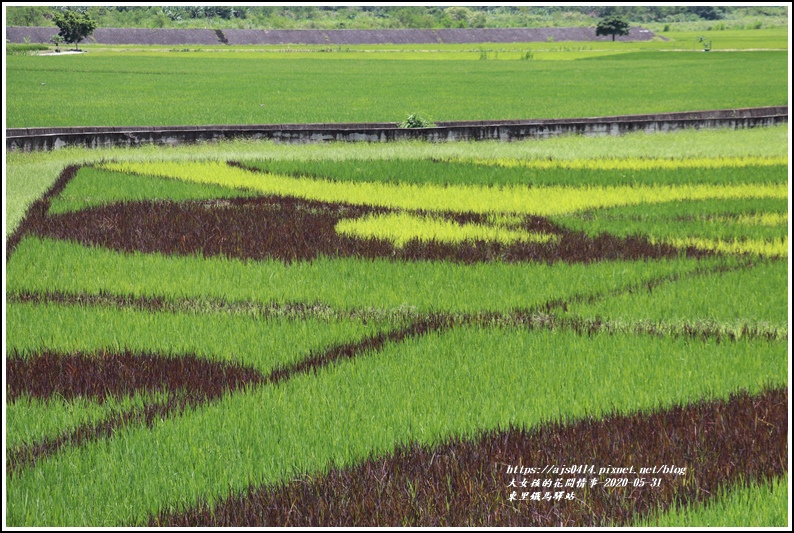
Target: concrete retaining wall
[
  {"x": 28, "y": 139},
  {"x": 181, "y": 37}
]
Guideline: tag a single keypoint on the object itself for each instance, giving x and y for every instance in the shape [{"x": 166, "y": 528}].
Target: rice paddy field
[
  {"x": 562, "y": 332},
  {"x": 259, "y": 86}
]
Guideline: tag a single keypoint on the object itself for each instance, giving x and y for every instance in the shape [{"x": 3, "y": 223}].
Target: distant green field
[
  {"x": 731, "y": 39},
  {"x": 252, "y": 88}
]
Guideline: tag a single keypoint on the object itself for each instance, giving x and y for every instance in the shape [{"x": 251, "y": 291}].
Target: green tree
[
  {"x": 412, "y": 17},
  {"x": 26, "y": 16},
  {"x": 459, "y": 15},
  {"x": 74, "y": 26},
  {"x": 705, "y": 12},
  {"x": 478, "y": 20},
  {"x": 612, "y": 26}
]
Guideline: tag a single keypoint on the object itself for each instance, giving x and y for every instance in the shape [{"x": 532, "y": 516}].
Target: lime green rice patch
[
  {"x": 400, "y": 228},
  {"x": 765, "y": 248}
]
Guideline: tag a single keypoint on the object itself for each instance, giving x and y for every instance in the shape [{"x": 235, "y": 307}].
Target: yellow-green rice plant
[
  {"x": 767, "y": 248},
  {"x": 455, "y": 198},
  {"x": 400, "y": 228}
]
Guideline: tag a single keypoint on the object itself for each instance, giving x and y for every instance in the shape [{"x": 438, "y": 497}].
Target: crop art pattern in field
[
  {"x": 539, "y": 201},
  {"x": 208, "y": 333},
  {"x": 545, "y": 201}
]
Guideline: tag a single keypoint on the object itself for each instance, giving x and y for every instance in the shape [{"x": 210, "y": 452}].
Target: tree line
[{"x": 378, "y": 17}]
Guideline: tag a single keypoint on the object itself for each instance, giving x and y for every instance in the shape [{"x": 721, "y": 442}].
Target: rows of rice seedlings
[
  {"x": 264, "y": 344},
  {"x": 29, "y": 419},
  {"x": 746, "y": 505},
  {"x": 46, "y": 265},
  {"x": 29, "y": 174},
  {"x": 552, "y": 200},
  {"x": 740, "y": 300},
  {"x": 425, "y": 389},
  {"x": 540, "y": 172},
  {"x": 93, "y": 187}
]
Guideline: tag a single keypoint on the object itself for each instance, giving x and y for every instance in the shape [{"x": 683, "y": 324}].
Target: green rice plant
[
  {"x": 746, "y": 505},
  {"x": 28, "y": 420},
  {"x": 255, "y": 343},
  {"x": 752, "y": 217},
  {"x": 264, "y": 344},
  {"x": 633, "y": 163},
  {"x": 400, "y": 228},
  {"x": 44, "y": 265},
  {"x": 536, "y": 172},
  {"x": 745, "y": 296},
  {"x": 536, "y": 200},
  {"x": 697, "y": 328},
  {"x": 711, "y": 228},
  {"x": 424, "y": 390},
  {"x": 761, "y": 219},
  {"x": 93, "y": 187}
]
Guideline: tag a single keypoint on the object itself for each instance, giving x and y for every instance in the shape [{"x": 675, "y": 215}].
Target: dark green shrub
[{"x": 24, "y": 49}]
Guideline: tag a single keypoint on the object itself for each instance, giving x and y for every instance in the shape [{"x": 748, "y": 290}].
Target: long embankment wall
[
  {"x": 179, "y": 37},
  {"x": 27, "y": 139}
]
